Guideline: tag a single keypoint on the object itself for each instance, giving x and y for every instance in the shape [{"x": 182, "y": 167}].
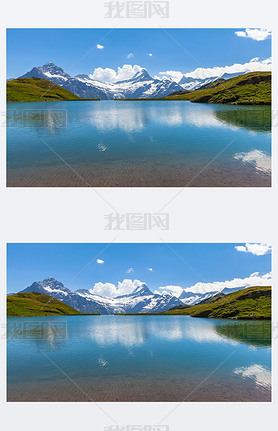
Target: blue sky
[
  {"x": 75, "y": 50},
  {"x": 184, "y": 265}
]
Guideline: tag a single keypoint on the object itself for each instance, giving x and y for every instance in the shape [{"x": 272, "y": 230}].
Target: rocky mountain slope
[
  {"x": 250, "y": 303},
  {"x": 141, "y": 300},
  {"x": 249, "y": 89},
  {"x": 141, "y": 85}
]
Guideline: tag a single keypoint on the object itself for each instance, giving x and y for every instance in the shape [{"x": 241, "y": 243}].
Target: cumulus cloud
[
  {"x": 253, "y": 280},
  {"x": 100, "y": 46},
  {"x": 100, "y": 261},
  {"x": 172, "y": 74},
  {"x": 110, "y": 75},
  {"x": 130, "y": 55},
  {"x": 150, "y": 54},
  {"x": 130, "y": 270},
  {"x": 254, "y": 33},
  {"x": 150, "y": 269},
  {"x": 175, "y": 290},
  {"x": 256, "y": 249},
  {"x": 111, "y": 290},
  {"x": 254, "y": 65}
]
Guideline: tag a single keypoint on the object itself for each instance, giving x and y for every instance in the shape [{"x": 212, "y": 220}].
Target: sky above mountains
[
  {"x": 116, "y": 269},
  {"x": 116, "y": 54}
]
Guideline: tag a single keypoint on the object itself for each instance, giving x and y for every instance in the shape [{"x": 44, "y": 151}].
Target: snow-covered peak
[
  {"x": 141, "y": 300},
  {"x": 141, "y": 75},
  {"x": 140, "y": 85},
  {"x": 48, "y": 71},
  {"x": 53, "y": 69},
  {"x": 142, "y": 290},
  {"x": 49, "y": 285}
]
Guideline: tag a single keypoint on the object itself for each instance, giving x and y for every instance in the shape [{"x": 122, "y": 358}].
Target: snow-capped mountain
[
  {"x": 188, "y": 83},
  {"x": 141, "y": 300},
  {"x": 191, "y": 297},
  {"x": 141, "y": 85}
]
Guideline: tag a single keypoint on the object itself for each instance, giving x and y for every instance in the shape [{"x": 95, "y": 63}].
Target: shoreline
[
  {"x": 139, "y": 100},
  {"x": 143, "y": 389},
  {"x": 116, "y": 174}
]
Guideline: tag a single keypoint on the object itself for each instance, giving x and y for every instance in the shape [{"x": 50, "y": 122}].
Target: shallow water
[
  {"x": 138, "y": 358},
  {"x": 138, "y": 143}
]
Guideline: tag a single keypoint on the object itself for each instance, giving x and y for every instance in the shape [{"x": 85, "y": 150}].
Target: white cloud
[
  {"x": 150, "y": 269},
  {"x": 254, "y": 33},
  {"x": 130, "y": 270},
  {"x": 256, "y": 249},
  {"x": 253, "y": 280},
  {"x": 100, "y": 46},
  {"x": 104, "y": 289},
  {"x": 172, "y": 74},
  {"x": 254, "y": 65},
  {"x": 175, "y": 290},
  {"x": 254, "y": 274},
  {"x": 111, "y": 290},
  {"x": 100, "y": 261},
  {"x": 150, "y": 54},
  {"x": 130, "y": 55},
  {"x": 111, "y": 75}
]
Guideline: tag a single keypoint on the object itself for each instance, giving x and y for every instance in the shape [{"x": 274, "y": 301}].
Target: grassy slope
[
  {"x": 250, "y": 89},
  {"x": 250, "y": 303},
  {"x": 36, "y": 90},
  {"x": 36, "y": 304}
]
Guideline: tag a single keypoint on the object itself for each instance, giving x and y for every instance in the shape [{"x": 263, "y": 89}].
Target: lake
[
  {"x": 138, "y": 358},
  {"x": 138, "y": 144}
]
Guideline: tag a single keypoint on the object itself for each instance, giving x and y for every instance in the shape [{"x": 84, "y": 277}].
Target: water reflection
[
  {"x": 260, "y": 375},
  {"x": 254, "y": 119},
  {"x": 115, "y": 117},
  {"x": 258, "y": 159},
  {"x": 51, "y": 334},
  {"x": 52, "y": 121},
  {"x": 252, "y": 333},
  {"x": 115, "y": 332},
  {"x": 135, "y": 116},
  {"x": 135, "y": 331}
]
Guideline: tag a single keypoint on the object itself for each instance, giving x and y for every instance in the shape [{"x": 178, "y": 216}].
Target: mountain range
[
  {"x": 249, "y": 303},
  {"x": 140, "y": 300},
  {"x": 141, "y": 85},
  {"x": 191, "y": 297}
]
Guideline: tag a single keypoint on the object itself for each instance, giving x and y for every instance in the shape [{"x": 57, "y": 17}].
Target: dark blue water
[
  {"x": 137, "y": 143},
  {"x": 138, "y": 358}
]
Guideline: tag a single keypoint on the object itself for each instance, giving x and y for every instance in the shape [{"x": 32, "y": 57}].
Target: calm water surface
[
  {"x": 139, "y": 143},
  {"x": 138, "y": 358}
]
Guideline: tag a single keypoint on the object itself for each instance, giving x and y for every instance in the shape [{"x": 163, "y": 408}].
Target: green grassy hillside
[
  {"x": 36, "y": 90},
  {"x": 252, "y": 88},
  {"x": 36, "y": 304},
  {"x": 250, "y": 303}
]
